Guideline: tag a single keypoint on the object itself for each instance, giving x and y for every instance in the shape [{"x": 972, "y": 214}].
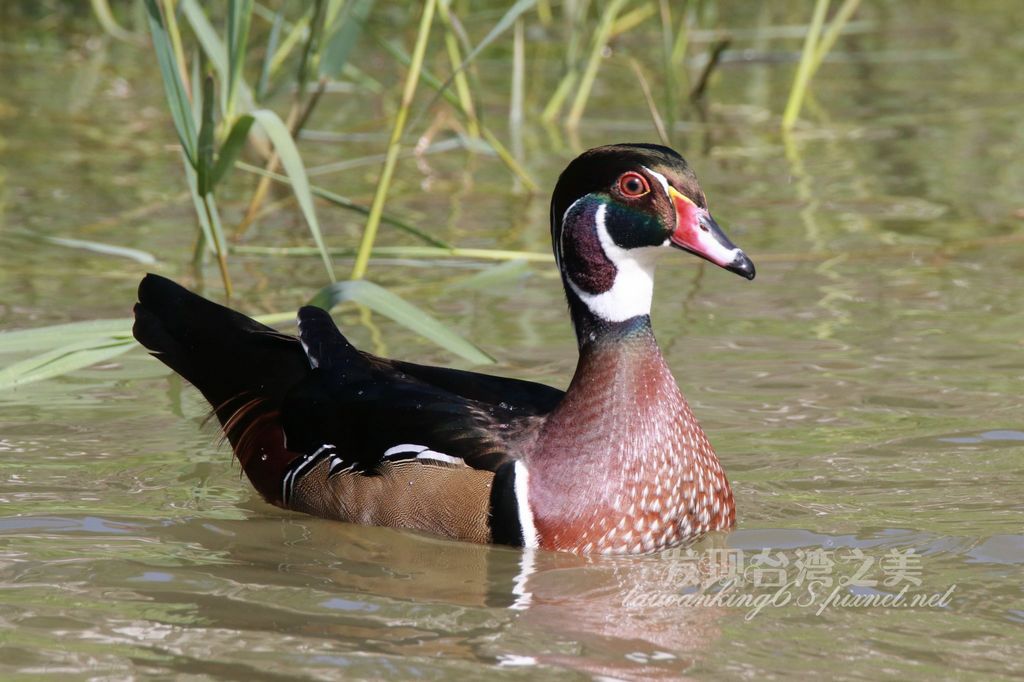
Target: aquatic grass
[
  {"x": 503, "y": 24},
  {"x": 220, "y": 55},
  {"x": 459, "y": 65},
  {"x": 345, "y": 202},
  {"x": 629, "y": 20},
  {"x": 211, "y": 229},
  {"x": 475, "y": 145},
  {"x": 436, "y": 252},
  {"x": 300, "y": 52},
  {"x": 101, "y": 8},
  {"x": 205, "y": 168},
  {"x": 380, "y": 300},
  {"x": 137, "y": 255},
  {"x": 231, "y": 148},
  {"x": 462, "y": 90},
  {"x": 652, "y": 107},
  {"x": 668, "y": 65},
  {"x": 212, "y": 138},
  {"x": 174, "y": 86},
  {"x": 816, "y": 46},
  {"x": 202, "y": 189},
  {"x": 394, "y": 143},
  {"x": 297, "y": 114},
  {"x": 714, "y": 57},
  {"x": 329, "y": 55},
  {"x": 515, "y": 105},
  {"x": 197, "y": 147},
  {"x": 273, "y": 160},
  {"x": 292, "y": 162},
  {"x": 573, "y": 16},
  {"x": 296, "y": 33},
  {"x": 239, "y": 20},
  {"x": 494, "y": 277},
  {"x": 262, "y": 88},
  {"x": 63, "y": 359},
  {"x": 803, "y": 72},
  {"x": 589, "y": 75},
  {"x": 832, "y": 33},
  {"x": 62, "y": 348},
  {"x": 52, "y": 336}
]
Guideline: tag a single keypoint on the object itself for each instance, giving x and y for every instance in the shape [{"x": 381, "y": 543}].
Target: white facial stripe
[
  {"x": 561, "y": 235},
  {"x": 660, "y": 178},
  {"x": 633, "y": 287},
  {"x": 522, "y": 488}
]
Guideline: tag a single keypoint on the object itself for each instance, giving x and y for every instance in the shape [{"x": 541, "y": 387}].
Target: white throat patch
[{"x": 631, "y": 292}]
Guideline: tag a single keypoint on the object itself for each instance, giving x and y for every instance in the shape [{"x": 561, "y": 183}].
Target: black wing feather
[
  {"x": 367, "y": 405},
  {"x": 327, "y": 391}
]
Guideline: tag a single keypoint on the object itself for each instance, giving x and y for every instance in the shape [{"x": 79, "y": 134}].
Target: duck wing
[
  {"x": 386, "y": 411},
  {"x": 321, "y": 427}
]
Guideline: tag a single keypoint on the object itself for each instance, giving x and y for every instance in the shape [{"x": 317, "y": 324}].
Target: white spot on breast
[{"x": 522, "y": 489}]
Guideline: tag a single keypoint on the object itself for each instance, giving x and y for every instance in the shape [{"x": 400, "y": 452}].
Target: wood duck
[{"x": 615, "y": 464}]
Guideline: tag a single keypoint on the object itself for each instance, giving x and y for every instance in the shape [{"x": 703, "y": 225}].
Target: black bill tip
[{"x": 742, "y": 265}]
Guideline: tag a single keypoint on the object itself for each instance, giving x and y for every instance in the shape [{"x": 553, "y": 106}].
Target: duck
[{"x": 614, "y": 464}]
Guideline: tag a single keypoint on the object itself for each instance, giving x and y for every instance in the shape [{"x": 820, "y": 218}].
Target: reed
[
  {"x": 412, "y": 79},
  {"x": 243, "y": 80},
  {"x": 816, "y": 47},
  {"x": 598, "y": 45}
]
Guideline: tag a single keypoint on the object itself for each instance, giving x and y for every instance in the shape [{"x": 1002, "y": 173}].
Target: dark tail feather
[
  {"x": 243, "y": 368},
  {"x": 324, "y": 345}
]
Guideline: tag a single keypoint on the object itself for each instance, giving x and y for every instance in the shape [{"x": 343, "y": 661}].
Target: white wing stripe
[
  {"x": 439, "y": 456},
  {"x": 298, "y": 470},
  {"x": 421, "y": 452},
  {"x": 403, "y": 449}
]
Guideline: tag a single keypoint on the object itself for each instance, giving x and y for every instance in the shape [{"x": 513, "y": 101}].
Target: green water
[{"x": 863, "y": 393}]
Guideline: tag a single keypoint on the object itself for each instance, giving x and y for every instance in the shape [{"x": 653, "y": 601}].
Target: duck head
[{"x": 614, "y": 210}]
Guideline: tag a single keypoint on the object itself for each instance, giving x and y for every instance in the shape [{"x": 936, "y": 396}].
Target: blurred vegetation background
[{"x": 257, "y": 92}]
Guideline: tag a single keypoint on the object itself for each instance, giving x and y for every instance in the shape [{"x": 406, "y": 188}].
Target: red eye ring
[{"x": 633, "y": 185}]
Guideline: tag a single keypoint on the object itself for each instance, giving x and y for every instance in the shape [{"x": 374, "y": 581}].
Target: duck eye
[{"x": 633, "y": 185}]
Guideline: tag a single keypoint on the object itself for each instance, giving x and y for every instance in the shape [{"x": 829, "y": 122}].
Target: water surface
[{"x": 863, "y": 393}]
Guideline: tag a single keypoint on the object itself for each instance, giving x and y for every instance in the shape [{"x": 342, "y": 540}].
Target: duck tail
[{"x": 243, "y": 368}]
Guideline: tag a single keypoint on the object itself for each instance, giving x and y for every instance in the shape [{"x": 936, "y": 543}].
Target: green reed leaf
[
  {"x": 393, "y": 306},
  {"x": 101, "y": 8},
  {"x": 412, "y": 79},
  {"x": 52, "y": 336},
  {"x": 64, "y": 359},
  {"x": 204, "y": 151},
  {"x": 343, "y": 36},
  {"x": 216, "y": 52},
  {"x": 207, "y": 36},
  {"x": 263, "y": 84},
  {"x": 137, "y": 255},
  {"x": 288, "y": 153},
  {"x": 232, "y": 147},
  {"x": 239, "y": 20},
  {"x": 504, "y": 23},
  {"x": 495, "y": 277},
  {"x": 345, "y": 202},
  {"x": 601, "y": 37},
  {"x": 177, "y": 100}
]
